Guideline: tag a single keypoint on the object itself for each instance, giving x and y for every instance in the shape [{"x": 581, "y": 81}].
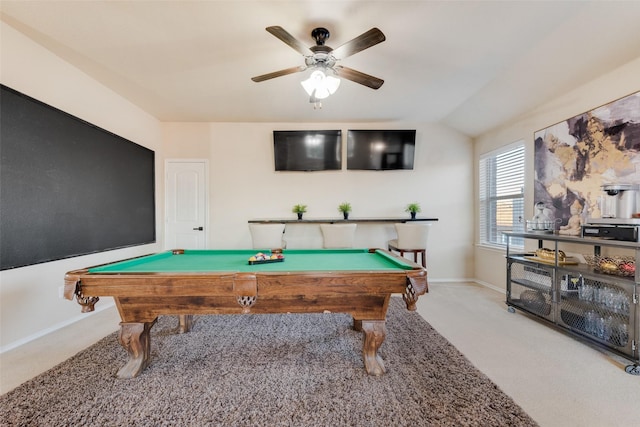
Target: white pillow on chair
[
  {"x": 412, "y": 236},
  {"x": 338, "y": 235},
  {"x": 267, "y": 236}
]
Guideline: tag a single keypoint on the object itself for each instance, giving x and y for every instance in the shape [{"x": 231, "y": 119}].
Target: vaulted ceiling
[{"x": 471, "y": 65}]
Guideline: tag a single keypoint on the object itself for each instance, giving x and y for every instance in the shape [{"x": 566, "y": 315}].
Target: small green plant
[
  {"x": 299, "y": 209},
  {"x": 413, "y": 208},
  {"x": 344, "y": 207}
]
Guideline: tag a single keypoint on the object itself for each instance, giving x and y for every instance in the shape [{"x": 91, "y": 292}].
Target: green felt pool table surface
[{"x": 237, "y": 260}]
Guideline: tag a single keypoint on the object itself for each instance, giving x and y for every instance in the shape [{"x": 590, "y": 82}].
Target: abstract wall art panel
[{"x": 574, "y": 158}]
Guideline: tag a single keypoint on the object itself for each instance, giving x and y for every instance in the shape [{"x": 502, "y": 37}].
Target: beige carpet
[{"x": 268, "y": 370}]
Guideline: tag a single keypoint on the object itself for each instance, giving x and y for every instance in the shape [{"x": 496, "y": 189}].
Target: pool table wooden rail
[{"x": 144, "y": 297}]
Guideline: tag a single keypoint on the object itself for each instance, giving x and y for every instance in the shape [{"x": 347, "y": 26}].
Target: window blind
[{"x": 501, "y": 194}]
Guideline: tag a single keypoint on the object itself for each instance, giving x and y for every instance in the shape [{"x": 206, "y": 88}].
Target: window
[{"x": 502, "y": 194}]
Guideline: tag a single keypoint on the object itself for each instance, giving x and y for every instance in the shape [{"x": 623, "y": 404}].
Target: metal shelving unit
[{"x": 602, "y": 308}]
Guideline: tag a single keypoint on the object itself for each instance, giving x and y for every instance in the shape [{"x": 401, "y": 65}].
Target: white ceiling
[{"x": 471, "y": 65}]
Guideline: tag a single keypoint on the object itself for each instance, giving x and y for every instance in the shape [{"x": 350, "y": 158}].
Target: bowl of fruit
[{"x": 615, "y": 265}]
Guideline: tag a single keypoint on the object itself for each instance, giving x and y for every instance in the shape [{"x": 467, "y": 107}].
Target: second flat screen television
[
  {"x": 307, "y": 150},
  {"x": 380, "y": 149}
]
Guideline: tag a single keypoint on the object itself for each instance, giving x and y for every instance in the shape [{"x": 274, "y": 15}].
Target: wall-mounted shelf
[{"x": 336, "y": 220}]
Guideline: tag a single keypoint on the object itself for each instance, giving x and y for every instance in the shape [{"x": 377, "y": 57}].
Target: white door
[{"x": 186, "y": 204}]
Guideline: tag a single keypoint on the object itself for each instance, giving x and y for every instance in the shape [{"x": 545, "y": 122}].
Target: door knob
[{"x": 199, "y": 228}]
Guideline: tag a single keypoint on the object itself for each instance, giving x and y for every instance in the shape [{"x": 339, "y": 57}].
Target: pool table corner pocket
[
  {"x": 73, "y": 286},
  {"x": 416, "y": 286},
  {"x": 245, "y": 288}
]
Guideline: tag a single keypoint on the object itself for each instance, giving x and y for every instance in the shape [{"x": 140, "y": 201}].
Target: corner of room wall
[{"x": 608, "y": 87}]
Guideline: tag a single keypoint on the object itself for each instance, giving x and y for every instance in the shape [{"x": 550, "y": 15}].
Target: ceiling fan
[{"x": 324, "y": 58}]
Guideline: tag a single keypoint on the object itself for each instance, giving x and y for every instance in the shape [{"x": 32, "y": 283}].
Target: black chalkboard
[{"x": 67, "y": 187}]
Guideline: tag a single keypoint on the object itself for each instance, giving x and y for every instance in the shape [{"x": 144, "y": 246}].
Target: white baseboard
[
  {"x": 479, "y": 282},
  {"x": 80, "y": 317},
  {"x": 103, "y": 307},
  {"x": 490, "y": 286}
]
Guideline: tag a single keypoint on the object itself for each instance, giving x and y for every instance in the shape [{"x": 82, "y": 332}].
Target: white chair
[
  {"x": 267, "y": 236},
  {"x": 337, "y": 236},
  {"x": 412, "y": 238}
]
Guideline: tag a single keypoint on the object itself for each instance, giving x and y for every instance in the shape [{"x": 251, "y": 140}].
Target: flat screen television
[
  {"x": 380, "y": 149},
  {"x": 307, "y": 150}
]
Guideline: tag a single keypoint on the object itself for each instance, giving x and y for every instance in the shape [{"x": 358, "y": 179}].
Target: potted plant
[
  {"x": 299, "y": 209},
  {"x": 413, "y": 209},
  {"x": 345, "y": 208}
]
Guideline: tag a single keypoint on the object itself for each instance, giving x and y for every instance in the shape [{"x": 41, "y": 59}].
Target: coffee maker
[
  {"x": 620, "y": 214},
  {"x": 620, "y": 201}
]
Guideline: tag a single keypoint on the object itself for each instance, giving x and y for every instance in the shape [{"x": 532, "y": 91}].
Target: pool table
[{"x": 197, "y": 282}]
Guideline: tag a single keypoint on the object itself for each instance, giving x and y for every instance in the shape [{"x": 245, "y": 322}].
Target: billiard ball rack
[
  {"x": 262, "y": 258},
  {"x": 265, "y": 261}
]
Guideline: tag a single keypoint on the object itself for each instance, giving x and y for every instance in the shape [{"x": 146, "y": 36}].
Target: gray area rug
[{"x": 268, "y": 370}]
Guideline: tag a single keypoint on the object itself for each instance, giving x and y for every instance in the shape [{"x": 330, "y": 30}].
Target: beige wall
[
  {"x": 244, "y": 185},
  {"x": 490, "y": 264},
  {"x": 29, "y": 302}
]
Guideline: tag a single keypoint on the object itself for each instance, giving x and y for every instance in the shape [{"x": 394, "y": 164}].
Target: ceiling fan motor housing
[
  {"x": 320, "y": 60},
  {"x": 320, "y": 35},
  {"x": 322, "y": 57}
]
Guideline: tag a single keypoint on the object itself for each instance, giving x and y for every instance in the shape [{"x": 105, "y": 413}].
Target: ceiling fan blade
[
  {"x": 358, "y": 77},
  {"x": 283, "y": 35},
  {"x": 278, "y": 73},
  {"x": 362, "y": 42}
]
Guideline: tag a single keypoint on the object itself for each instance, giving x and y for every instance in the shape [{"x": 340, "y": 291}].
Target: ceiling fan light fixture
[
  {"x": 320, "y": 86},
  {"x": 322, "y": 58}
]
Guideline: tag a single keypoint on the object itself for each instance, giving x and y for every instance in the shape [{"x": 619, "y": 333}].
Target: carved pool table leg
[
  {"x": 374, "y": 334},
  {"x": 186, "y": 322},
  {"x": 134, "y": 337}
]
